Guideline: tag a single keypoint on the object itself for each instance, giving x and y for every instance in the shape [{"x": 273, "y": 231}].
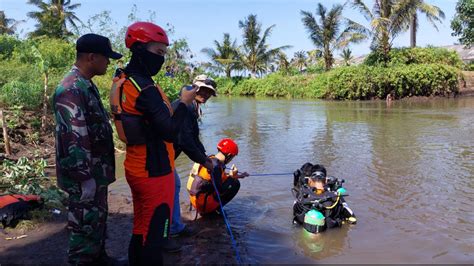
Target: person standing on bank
[
  {"x": 188, "y": 142},
  {"x": 148, "y": 125},
  {"x": 85, "y": 162}
]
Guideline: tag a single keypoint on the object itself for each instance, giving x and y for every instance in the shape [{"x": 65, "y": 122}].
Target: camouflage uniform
[{"x": 84, "y": 149}]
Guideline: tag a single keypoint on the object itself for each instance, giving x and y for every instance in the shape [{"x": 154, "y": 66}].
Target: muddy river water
[{"x": 409, "y": 171}]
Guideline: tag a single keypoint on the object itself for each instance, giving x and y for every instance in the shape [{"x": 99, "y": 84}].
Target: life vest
[
  {"x": 13, "y": 207},
  {"x": 130, "y": 124},
  {"x": 200, "y": 186}
]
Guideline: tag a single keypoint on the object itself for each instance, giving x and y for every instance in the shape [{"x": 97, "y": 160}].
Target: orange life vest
[
  {"x": 132, "y": 127},
  {"x": 133, "y": 132},
  {"x": 200, "y": 186}
]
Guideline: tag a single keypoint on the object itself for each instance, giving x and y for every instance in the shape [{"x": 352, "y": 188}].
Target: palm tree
[
  {"x": 282, "y": 62},
  {"x": 433, "y": 14},
  {"x": 256, "y": 55},
  {"x": 347, "y": 56},
  {"x": 314, "y": 56},
  {"x": 299, "y": 60},
  {"x": 327, "y": 35},
  {"x": 53, "y": 18},
  {"x": 387, "y": 19},
  {"x": 7, "y": 25},
  {"x": 224, "y": 56}
]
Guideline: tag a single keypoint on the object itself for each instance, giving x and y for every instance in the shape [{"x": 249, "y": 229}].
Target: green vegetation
[
  {"x": 329, "y": 35},
  {"x": 353, "y": 83},
  {"x": 463, "y": 22},
  {"x": 28, "y": 177},
  {"x": 409, "y": 56},
  {"x": 433, "y": 14},
  {"x": 53, "y": 17}
]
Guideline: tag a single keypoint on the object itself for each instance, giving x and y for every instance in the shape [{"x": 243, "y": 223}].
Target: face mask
[{"x": 153, "y": 62}]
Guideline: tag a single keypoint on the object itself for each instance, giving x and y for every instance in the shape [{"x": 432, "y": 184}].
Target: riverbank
[{"x": 47, "y": 244}]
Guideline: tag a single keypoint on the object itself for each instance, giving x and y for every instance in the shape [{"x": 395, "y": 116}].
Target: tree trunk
[
  {"x": 253, "y": 74},
  {"x": 5, "y": 134},
  {"x": 45, "y": 102},
  {"x": 413, "y": 29},
  {"x": 227, "y": 72}
]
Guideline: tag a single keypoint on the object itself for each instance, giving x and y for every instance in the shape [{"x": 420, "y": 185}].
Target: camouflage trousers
[{"x": 87, "y": 223}]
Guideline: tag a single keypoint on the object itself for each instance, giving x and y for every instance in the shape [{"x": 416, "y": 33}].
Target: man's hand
[
  {"x": 241, "y": 175},
  {"x": 188, "y": 94},
  {"x": 233, "y": 171},
  {"x": 209, "y": 165},
  {"x": 88, "y": 188}
]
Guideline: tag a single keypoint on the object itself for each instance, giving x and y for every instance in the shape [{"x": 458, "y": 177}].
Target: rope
[
  {"x": 234, "y": 244},
  {"x": 265, "y": 174}
]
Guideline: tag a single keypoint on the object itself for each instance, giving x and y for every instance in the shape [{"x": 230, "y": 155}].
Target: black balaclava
[{"x": 149, "y": 63}]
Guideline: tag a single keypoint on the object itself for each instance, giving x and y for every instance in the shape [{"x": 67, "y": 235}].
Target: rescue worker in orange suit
[
  {"x": 148, "y": 125},
  {"x": 202, "y": 194}
]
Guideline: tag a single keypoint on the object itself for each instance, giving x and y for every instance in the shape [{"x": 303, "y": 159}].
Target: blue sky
[{"x": 202, "y": 22}]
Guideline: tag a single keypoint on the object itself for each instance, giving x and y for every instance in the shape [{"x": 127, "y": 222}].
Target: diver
[{"x": 319, "y": 200}]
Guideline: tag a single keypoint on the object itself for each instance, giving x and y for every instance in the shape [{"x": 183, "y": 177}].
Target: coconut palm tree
[
  {"x": 347, "y": 56},
  {"x": 7, "y": 25},
  {"x": 433, "y": 14},
  {"x": 327, "y": 34},
  {"x": 388, "y": 18},
  {"x": 53, "y": 17},
  {"x": 299, "y": 60},
  {"x": 255, "y": 55},
  {"x": 282, "y": 62},
  {"x": 314, "y": 56},
  {"x": 224, "y": 56}
]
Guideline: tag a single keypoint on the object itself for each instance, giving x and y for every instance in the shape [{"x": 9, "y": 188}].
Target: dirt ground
[{"x": 47, "y": 244}]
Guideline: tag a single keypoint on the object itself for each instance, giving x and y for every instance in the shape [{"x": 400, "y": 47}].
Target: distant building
[{"x": 466, "y": 54}]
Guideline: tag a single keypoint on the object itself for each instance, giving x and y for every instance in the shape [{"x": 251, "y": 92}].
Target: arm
[
  {"x": 73, "y": 136},
  {"x": 217, "y": 176},
  {"x": 151, "y": 104},
  {"x": 189, "y": 142}
]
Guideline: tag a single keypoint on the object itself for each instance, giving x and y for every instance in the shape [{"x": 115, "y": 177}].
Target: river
[{"x": 409, "y": 171}]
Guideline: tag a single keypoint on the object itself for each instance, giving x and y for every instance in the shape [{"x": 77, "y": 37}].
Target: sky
[{"x": 202, "y": 22}]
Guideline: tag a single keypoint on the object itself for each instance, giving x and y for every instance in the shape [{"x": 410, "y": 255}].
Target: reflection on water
[{"x": 409, "y": 170}]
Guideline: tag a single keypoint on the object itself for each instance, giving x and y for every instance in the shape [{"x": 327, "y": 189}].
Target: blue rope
[
  {"x": 234, "y": 244},
  {"x": 269, "y": 174}
]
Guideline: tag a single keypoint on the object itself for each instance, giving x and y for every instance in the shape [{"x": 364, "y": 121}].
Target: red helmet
[
  {"x": 228, "y": 147},
  {"x": 145, "y": 32}
]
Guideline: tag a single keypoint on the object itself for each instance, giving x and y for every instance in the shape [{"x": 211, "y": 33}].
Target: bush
[
  {"x": 28, "y": 177},
  {"x": 367, "y": 82},
  {"x": 7, "y": 46},
  {"x": 21, "y": 93},
  {"x": 274, "y": 85},
  {"x": 409, "y": 56}
]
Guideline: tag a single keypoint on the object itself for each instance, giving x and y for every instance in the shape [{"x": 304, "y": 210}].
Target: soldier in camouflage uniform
[{"x": 85, "y": 163}]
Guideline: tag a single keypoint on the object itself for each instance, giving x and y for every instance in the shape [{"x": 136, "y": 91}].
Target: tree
[
  {"x": 347, "y": 56},
  {"x": 433, "y": 14},
  {"x": 47, "y": 56},
  {"x": 327, "y": 35},
  {"x": 387, "y": 19},
  {"x": 299, "y": 60},
  {"x": 53, "y": 17},
  {"x": 282, "y": 62},
  {"x": 255, "y": 54},
  {"x": 224, "y": 56},
  {"x": 463, "y": 22},
  {"x": 7, "y": 25}
]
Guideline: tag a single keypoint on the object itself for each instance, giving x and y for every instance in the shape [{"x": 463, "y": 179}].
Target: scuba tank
[{"x": 314, "y": 222}]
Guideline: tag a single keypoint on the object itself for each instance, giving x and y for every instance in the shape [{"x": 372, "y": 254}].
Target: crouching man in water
[
  {"x": 319, "y": 200},
  {"x": 202, "y": 194}
]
